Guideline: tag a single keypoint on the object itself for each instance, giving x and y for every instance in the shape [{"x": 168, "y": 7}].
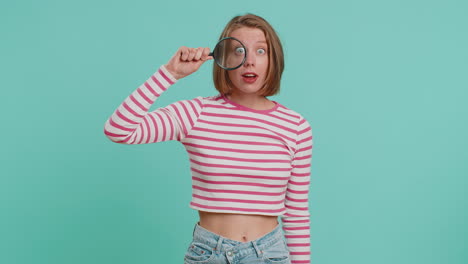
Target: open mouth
[{"x": 249, "y": 77}]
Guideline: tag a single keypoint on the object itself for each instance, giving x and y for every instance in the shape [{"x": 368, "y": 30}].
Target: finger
[
  {"x": 191, "y": 54},
  {"x": 206, "y": 54},
  {"x": 184, "y": 51},
  {"x": 198, "y": 54}
]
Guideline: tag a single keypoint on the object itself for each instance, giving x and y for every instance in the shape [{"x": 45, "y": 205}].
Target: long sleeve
[
  {"x": 296, "y": 220},
  {"x": 131, "y": 123}
]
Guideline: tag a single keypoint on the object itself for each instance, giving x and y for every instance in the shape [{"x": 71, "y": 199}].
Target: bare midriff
[{"x": 238, "y": 227}]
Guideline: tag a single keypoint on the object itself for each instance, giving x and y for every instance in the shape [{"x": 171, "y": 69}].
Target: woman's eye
[
  {"x": 240, "y": 50},
  {"x": 261, "y": 51}
]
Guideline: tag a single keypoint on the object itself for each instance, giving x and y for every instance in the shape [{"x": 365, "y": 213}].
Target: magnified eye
[
  {"x": 240, "y": 50},
  {"x": 261, "y": 51}
]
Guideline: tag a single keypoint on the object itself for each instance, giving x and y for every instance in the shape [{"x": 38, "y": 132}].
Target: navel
[{"x": 244, "y": 238}]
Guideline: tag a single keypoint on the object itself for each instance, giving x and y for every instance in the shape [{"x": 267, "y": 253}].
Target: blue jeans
[{"x": 208, "y": 247}]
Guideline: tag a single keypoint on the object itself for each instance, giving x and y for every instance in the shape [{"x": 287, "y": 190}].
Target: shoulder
[
  {"x": 293, "y": 115},
  {"x": 211, "y": 99},
  {"x": 199, "y": 102},
  {"x": 207, "y": 100}
]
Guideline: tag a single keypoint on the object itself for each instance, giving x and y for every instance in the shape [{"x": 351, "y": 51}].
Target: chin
[{"x": 247, "y": 89}]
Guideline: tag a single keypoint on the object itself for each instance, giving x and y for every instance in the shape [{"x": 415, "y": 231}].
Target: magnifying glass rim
[{"x": 243, "y": 60}]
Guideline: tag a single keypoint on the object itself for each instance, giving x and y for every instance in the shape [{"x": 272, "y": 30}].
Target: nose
[{"x": 250, "y": 59}]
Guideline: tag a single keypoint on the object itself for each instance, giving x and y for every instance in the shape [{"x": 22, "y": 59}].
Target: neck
[{"x": 253, "y": 101}]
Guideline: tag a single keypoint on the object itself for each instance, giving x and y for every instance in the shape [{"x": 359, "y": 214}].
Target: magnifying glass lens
[{"x": 229, "y": 53}]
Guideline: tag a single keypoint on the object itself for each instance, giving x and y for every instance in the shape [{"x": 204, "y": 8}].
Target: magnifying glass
[{"x": 229, "y": 53}]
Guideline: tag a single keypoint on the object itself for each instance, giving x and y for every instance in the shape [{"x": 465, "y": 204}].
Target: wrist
[{"x": 172, "y": 72}]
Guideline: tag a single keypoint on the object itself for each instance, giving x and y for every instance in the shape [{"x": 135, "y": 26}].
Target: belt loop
[
  {"x": 259, "y": 252},
  {"x": 219, "y": 245}
]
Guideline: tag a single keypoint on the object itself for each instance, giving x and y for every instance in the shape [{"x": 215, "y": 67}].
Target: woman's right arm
[{"x": 131, "y": 123}]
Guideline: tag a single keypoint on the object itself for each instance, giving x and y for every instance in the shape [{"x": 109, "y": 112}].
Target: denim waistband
[{"x": 219, "y": 242}]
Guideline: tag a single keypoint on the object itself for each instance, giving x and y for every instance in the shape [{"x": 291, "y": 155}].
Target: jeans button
[{"x": 229, "y": 253}]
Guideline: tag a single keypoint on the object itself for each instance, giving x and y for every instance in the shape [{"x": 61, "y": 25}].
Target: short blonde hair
[{"x": 275, "y": 55}]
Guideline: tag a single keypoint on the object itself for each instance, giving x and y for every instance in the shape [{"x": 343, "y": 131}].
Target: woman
[{"x": 250, "y": 156}]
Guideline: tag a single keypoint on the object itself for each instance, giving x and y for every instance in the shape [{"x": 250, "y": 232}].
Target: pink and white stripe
[{"x": 242, "y": 160}]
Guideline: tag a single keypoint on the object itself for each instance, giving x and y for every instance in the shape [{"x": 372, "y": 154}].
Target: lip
[
  {"x": 244, "y": 73},
  {"x": 249, "y": 80}
]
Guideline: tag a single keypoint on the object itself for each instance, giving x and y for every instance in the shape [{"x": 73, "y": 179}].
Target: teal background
[{"x": 383, "y": 84}]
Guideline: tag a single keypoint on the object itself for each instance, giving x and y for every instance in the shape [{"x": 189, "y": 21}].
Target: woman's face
[{"x": 250, "y": 77}]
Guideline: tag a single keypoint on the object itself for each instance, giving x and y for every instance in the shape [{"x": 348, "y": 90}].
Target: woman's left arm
[{"x": 296, "y": 220}]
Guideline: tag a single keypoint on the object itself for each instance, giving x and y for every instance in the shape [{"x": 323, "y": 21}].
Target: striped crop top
[{"x": 242, "y": 160}]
